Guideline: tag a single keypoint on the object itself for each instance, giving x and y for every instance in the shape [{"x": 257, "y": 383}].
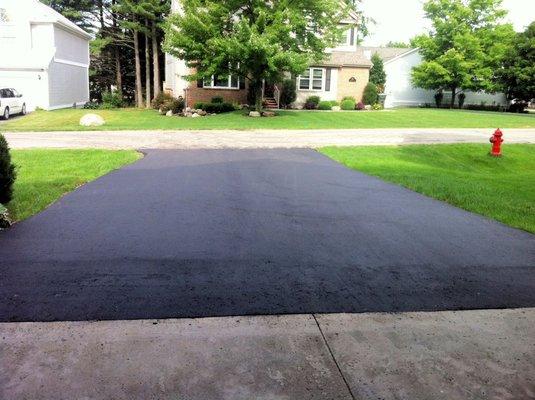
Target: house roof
[
  {"x": 346, "y": 59},
  {"x": 387, "y": 53},
  {"x": 38, "y": 13}
]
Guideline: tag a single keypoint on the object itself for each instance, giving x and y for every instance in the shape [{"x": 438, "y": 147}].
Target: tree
[
  {"x": 81, "y": 12},
  {"x": 377, "y": 72},
  {"x": 464, "y": 48},
  {"x": 7, "y": 172},
  {"x": 399, "y": 45},
  {"x": 517, "y": 75},
  {"x": 254, "y": 39}
]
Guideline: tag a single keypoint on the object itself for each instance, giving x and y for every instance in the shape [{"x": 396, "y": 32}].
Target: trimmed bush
[
  {"x": 288, "y": 93},
  {"x": 349, "y": 98},
  {"x": 462, "y": 98},
  {"x": 7, "y": 172},
  {"x": 439, "y": 96},
  {"x": 371, "y": 96},
  {"x": 377, "y": 106},
  {"x": 312, "y": 103},
  {"x": 215, "y": 108},
  {"x": 348, "y": 105},
  {"x": 325, "y": 105},
  {"x": 217, "y": 100},
  {"x": 160, "y": 100},
  {"x": 174, "y": 105},
  {"x": 361, "y": 106}
]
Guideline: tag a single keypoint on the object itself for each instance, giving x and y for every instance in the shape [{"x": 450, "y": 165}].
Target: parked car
[{"x": 11, "y": 102}]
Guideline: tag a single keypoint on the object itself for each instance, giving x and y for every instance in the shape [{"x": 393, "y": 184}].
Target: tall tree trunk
[
  {"x": 116, "y": 54},
  {"x": 453, "y": 95},
  {"x": 147, "y": 67},
  {"x": 155, "y": 60},
  {"x": 139, "y": 86},
  {"x": 118, "y": 73}
]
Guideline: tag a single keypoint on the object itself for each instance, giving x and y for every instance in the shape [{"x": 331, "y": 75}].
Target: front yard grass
[
  {"x": 461, "y": 174},
  {"x": 135, "y": 119},
  {"x": 45, "y": 175}
]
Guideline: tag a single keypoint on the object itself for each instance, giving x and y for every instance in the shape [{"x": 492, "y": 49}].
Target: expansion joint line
[{"x": 334, "y": 358}]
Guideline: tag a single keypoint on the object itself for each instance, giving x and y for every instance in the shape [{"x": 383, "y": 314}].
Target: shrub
[
  {"x": 218, "y": 100},
  {"x": 334, "y": 103},
  {"x": 361, "y": 106},
  {"x": 312, "y": 102},
  {"x": 91, "y": 105},
  {"x": 349, "y": 98},
  {"x": 518, "y": 107},
  {"x": 439, "y": 96},
  {"x": 325, "y": 105},
  {"x": 377, "y": 72},
  {"x": 217, "y": 108},
  {"x": 370, "y": 95},
  {"x": 160, "y": 100},
  {"x": 288, "y": 92},
  {"x": 347, "y": 105},
  {"x": 462, "y": 98},
  {"x": 174, "y": 105},
  {"x": 7, "y": 172},
  {"x": 112, "y": 100},
  {"x": 377, "y": 106}
]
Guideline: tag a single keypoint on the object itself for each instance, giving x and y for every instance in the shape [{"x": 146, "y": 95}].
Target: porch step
[{"x": 271, "y": 103}]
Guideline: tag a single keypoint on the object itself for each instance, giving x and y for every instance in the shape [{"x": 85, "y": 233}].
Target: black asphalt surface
[{"x": 235, "y": 232}]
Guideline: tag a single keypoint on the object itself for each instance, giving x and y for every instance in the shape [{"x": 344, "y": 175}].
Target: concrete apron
[
  {"x": 446, "y": 355},
  {"x": 222, "y": 139}
]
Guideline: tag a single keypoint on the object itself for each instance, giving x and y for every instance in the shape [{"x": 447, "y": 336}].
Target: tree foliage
[
  {"x": 465, "y": 47},
  {"x": 517, "y": 75},
  {"x": 7, "y": 172},
  {"x": 254, "y": 39},
  {"x": 377, "y": 72}
]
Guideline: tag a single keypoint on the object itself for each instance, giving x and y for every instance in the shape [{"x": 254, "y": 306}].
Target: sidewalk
[
  {"x": 257, "y": 139},
  {"x": 445, "y": 355}
]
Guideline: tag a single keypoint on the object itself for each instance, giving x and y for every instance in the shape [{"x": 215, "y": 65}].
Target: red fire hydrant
[{"x": 496, "y": 141}]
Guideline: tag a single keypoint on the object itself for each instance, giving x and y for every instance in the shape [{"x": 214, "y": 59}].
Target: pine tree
[{"x": 377, "y": 73}]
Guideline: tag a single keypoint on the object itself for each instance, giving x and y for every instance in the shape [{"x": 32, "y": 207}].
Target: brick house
[{"x": 345, "y": 72}]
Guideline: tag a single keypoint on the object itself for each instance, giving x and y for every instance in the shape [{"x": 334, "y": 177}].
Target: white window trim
[
  {"x": 229, "y": 87},
  {"x": 311, "y": 79}
]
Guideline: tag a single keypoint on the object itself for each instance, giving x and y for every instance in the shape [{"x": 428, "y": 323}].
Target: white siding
[
  {"x": 70, "y": 47},
  {"x": 68, "y": 84},
  {"x": 332, "y": 94}
]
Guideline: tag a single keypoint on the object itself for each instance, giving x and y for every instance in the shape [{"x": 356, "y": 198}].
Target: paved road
[
  {"x": 237, "y": 232},
  {"x": 222, "y": 139}
]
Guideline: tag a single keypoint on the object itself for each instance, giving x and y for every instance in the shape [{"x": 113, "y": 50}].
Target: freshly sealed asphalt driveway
[{"x": 233, "y": 232}]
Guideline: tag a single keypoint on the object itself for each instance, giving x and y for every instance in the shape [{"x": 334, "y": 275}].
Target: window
[
  {"x": 312, "y": 79},
  {"x": 348, "y": 38},
  {"x": 224, "y": 82}
]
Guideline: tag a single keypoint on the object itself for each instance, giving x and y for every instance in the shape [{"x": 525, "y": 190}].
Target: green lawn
[
  {"x": 133, "y": 119},
  {"x": 463, "y": 175},
  {"x": 45, "y": 175}
]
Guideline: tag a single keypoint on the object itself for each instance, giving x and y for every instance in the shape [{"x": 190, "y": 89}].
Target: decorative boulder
[
  {"x": 268, "y": 114},
  {"x": 195, "y": 115},
  {"x": 169, "y": 113},
  {"x": 254, "y": 114},
  {"x": 202, "y": 113},
  {"x": 368, "y": 107},
  {"x": 92, "y": 120},
  {"x": 335, "y": 108}
]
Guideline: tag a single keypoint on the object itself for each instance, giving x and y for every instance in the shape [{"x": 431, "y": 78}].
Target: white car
[{"x": 11, "y": 102}]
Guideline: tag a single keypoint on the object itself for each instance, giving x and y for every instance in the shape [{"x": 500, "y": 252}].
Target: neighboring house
[
  {"x": 345, "y": 72},
  {"x": 44, "y": 56},
  {"x": 398, "y": 64}
]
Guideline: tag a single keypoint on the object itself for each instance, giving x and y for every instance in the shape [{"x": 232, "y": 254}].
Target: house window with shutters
[{"x": 312, "y": 79}]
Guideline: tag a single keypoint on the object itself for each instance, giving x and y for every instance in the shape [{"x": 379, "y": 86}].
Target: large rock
[
  {"x": 169, "y": 113},
  {"x": 268, "y": 114},
  {"x": 335, "y": 108},
  {"x": 254, "y": 114},
  {"x": 92, "y": 120}
]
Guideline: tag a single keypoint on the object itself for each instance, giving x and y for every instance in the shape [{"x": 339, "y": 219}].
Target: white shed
[{"x": 43, "y": 55}]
